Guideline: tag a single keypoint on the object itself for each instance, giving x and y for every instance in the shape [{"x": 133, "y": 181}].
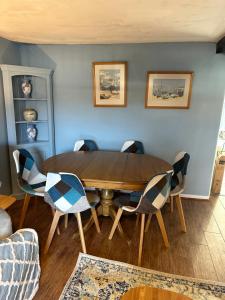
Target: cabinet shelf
[
  {"x": 29, "y": 99},
  {"x": 31, "y": 122},
  {"x": 24, "y": 143}
]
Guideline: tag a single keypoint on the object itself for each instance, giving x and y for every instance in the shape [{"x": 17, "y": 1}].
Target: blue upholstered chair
[
  {"x": 133, "y": 147},
  {"x": 150, "y": 202},
  {"x": 178, "y": 183},
  {"x": 29, "y": 179},
  {"x": 85, "y": 145},
  {"x": 66, "y": 195}
]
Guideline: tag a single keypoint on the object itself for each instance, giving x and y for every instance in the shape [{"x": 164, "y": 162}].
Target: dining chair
[
  {"x": 178, "y": 183},
  {"x": 65, "y": 193},
  {"x": 133, "y": 147},
  {"x": 85, "y": 145},
  {"x": 151, "y": 201},
  {"x": 30, "y": 180}
]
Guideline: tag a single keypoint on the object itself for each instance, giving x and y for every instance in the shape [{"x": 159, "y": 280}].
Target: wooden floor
[{"x": 198, "y": 253}]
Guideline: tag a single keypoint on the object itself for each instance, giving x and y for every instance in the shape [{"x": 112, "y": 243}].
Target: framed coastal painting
[
  {"x": 110, "y": 84},
  {"x": 167, "y": 89}
]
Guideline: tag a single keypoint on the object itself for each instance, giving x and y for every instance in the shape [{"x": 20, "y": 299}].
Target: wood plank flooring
[{"x": 198, "y": 253}]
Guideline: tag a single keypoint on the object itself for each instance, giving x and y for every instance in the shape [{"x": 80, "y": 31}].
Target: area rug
[{"x": 99, "y": 278}]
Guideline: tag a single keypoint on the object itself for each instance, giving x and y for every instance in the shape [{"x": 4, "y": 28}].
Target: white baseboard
[{"x": 200, "y": 197}]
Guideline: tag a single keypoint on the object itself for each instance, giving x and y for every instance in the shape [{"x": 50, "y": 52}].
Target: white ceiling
[{"x": 116, "y": 21}]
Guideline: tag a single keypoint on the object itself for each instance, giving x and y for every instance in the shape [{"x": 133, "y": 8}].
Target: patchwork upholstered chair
[
  {"x": 150, "y": 202},
  {"x": 19, "y": 265},
  {"x": 178, "y": 183},
  {"x": 66, "y": 195},
  {"x": 85, "y": 145},
  {"x": 30, "y": 180},
  {"x": 133, "y": 147}
]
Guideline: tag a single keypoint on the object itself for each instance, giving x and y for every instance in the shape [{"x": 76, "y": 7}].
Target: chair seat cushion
[
  {"x": 5, "y": 224},
  {"x": 93, "y": 198},
  {"x": 177, "y": 190},
  {"x": 126, "y": 200},
  {"x": 27, "y": 189}
]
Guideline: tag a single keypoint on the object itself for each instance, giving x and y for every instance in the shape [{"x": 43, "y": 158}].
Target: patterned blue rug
[{"x": 99, "y": 278}]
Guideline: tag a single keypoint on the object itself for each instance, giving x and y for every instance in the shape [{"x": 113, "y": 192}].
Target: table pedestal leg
[
  {"x": 106, "y": 202},
  {"x": 105, "y": 209}
]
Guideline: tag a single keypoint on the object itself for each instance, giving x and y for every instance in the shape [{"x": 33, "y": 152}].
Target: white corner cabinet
[{"x": 30, "y": 89}]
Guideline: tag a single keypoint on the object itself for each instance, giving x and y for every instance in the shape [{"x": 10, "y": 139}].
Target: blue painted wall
[
  {"x": 163, "y": 132},
  {"x": 9, "y": 54}
]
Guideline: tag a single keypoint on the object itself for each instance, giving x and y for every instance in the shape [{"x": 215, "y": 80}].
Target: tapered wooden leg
[
  {"x": 171, "y": 204},
  {"x": 95, "y": 218},
  {"x": 26, "y": 202},
  {"x": 66, "y": 221},
  {"x": 162, "y": 228},
  {"x": 115, "y": 224},
  {"x": 141, "y": 238},
  {"x": 148, "y": 222},
  {"x": 137, "y": 220},
  {"x": 113, "y": 215},
  {"x": 53, "y": 213},
  {"x": 181, "y": 213},
  {"x": 81, "y": 232},
  {"x": 52, "y": 230},
  {"x": 35, "y": 202}
]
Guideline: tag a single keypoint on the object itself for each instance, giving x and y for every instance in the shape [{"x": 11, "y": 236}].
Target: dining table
[{"x": 108, "y": 171}]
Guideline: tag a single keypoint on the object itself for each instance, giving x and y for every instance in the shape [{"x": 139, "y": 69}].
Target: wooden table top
[
  {"x": 149, "y": 293},
  {"x": 107, "y": 169},
  {"x": 6, "y": 201}
]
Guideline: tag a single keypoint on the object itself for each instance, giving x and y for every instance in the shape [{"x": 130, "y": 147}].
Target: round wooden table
[
  {"x": 149, "y": 293},
  {"x": 108, "y": 171}
]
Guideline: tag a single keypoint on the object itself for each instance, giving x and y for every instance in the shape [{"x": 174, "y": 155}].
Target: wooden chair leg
[
  {"x": 115, "y": 224},
  {"x": 66, "y": 220},
  {"x": 26, "y": 202},
  {"x": 162, "y": 228},
  {"x": 95, "y": 218},
  {"x": 148, "y": 222},
  {"x": 171, "y": 204},
  {"x": 81, "y": 232},
  {"x": 35, "y": 202},
  {"x": 141, "y": 238},
  {"x": 52, "y": 230},
  {"x": 181, "y": 213},
  {"x": 137, "y": 220},
  {"x": 53, "y": 213}
]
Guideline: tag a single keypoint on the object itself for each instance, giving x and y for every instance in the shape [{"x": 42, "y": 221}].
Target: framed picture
[
  {"x": 110, "y": 84},
  {"x": 168, "y": 89}
]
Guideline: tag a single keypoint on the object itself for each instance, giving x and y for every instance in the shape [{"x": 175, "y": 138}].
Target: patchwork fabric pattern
[
  {"x": 133, "y": 147},
  {"x": 19, "y": 265},
  {"x": 180, "y": 170},
  {"x": 65, "y": 193},
  {"x": 85, "y": 145},
  {"x": 153, "y": 197},
  {"x": 30, "y": 179}
]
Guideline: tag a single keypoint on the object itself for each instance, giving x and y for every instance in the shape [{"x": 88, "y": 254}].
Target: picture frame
[
  {"x": 109, "y": 84},
  {"x": 168, "y": 89}
]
